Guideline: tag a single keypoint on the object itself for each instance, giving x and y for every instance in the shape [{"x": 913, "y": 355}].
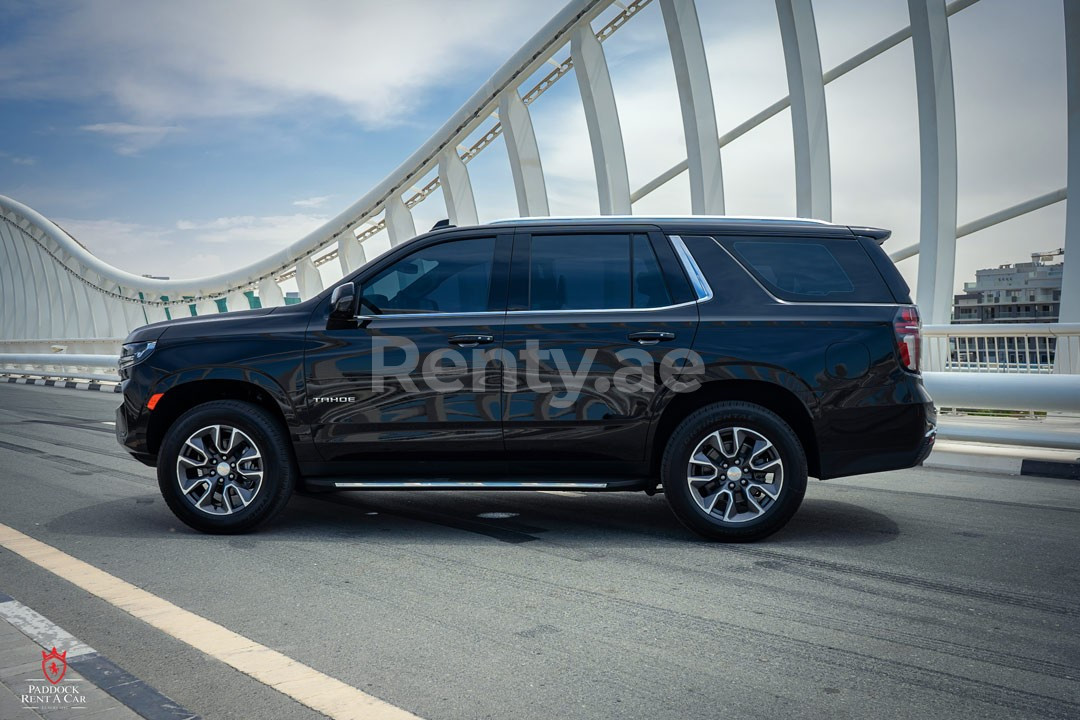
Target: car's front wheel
[
  {"x": 734, "y": 471},
  {"x": 226, "y": 466}
]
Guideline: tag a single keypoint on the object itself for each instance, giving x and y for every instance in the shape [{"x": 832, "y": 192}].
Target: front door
[{"x": 404, "y": 383}]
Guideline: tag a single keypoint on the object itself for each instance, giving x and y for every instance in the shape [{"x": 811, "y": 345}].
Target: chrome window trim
[
  {"x": 400, "y": 316},
  {"x": 602, "y": 310},
  {"x": 697, "y": 278}
]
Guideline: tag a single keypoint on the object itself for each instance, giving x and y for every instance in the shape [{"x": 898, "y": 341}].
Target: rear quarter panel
[{"x": 839, "y": 359}]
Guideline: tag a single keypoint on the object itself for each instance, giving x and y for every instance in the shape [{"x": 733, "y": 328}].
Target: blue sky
[{"x": 178, "y": 139}]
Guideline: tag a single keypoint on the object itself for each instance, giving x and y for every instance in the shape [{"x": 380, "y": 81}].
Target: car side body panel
[{"x": 864, "y": 412}]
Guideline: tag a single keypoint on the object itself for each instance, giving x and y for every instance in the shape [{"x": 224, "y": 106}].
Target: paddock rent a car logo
[{"x": 52, "y": 695}]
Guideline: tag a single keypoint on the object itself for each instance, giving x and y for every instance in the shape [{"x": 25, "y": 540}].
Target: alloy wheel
[
  {"x": 735, "y": 474},
  {"x": 219, "y": 470}
]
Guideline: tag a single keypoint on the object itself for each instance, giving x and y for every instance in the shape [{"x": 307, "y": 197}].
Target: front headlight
[{"x": 133, "y": 353}]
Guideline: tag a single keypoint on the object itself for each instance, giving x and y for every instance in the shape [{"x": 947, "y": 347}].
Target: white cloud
[
  {"x": 189, "y": 248},
  {"x": 312, "y": 202},
  {"x": 131, "y": 138},
  {"x": 168, "y": 61},
  {"x": 217, "y": 224},
  {"x": 252, "y": 236}
]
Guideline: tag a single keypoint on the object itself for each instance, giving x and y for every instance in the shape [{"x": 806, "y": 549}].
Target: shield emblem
[{"x": 54, "y": 665}]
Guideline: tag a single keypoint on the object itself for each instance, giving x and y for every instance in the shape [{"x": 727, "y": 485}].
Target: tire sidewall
[
  {"x": 277, "y": 463},
  {"x": 716, "y": 417}
]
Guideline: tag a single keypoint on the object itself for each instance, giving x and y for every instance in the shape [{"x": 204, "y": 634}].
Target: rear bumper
[{"x": 857, "y": 441}]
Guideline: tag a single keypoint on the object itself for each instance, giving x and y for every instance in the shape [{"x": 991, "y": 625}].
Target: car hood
[{"x": 209, "y": 324}]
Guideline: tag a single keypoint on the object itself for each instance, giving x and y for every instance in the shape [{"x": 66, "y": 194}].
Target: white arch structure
[{"x": 42, "y": 266}]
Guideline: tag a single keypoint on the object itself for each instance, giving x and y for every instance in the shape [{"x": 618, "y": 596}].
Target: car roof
[{"x": 674, "y": 224}]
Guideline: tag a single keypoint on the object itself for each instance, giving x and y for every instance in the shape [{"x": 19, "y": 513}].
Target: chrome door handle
[
  {"x": 470, "y": 341},
  {"x": 650, "y": 337}
]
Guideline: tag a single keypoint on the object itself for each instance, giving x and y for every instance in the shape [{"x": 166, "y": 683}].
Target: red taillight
[{"x": 908, "y": 337}]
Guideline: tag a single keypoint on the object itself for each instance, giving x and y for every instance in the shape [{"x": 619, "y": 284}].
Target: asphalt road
[{"x": 915, "y": 594}]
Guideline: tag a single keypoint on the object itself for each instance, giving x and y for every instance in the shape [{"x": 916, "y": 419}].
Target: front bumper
[{"x": 131, "y": 424}]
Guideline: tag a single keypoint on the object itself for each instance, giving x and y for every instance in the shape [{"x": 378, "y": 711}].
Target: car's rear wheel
[
  {"x": 226, "y": 466},
  {"x": 734, "y": 471}
]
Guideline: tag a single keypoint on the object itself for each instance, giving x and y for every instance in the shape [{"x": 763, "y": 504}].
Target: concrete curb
[
  {"x": 68, "y": 384},
  {"x": 1004, "y": 460}
]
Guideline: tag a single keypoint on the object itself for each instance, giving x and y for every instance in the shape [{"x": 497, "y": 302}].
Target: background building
[{"x": 1023, "y": 292}]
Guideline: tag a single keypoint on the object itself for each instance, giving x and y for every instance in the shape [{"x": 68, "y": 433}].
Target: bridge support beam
[
  {"x": 270, "y": 294},
  {"x": 809, "y": 119},
  {"x": 399, "y": 221},
  {"x": 237, "y": 300},
  {"x": 696, "y": 101},
  {"x": 206, "y": 306},
  {"x": 602, "y": 117},
  {"x": 457, "y": 189},
  {"x": 524, "y": 155},
  {"x": 308, "y": 279},
  {"x": 937, "y": 158},
  {"x": 351, "y": 253},
  {"x": 1070, "y": 281}
]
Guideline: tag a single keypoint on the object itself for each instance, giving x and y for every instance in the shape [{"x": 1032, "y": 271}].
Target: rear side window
[
  {"x": 594, "y": 272},
  {"x": 814, "y": 269}
]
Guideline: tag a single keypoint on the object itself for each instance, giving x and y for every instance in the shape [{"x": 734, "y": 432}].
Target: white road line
[
  {"x": 108, "y": 422},
  {"x": 42, "y": 630},
  {"x": 302, "y": 683}
]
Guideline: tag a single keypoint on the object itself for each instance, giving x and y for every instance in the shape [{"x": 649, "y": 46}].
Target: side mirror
[{"x": 343, "y": 302}]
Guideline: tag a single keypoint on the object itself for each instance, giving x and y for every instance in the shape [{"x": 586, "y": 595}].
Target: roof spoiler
[{"x": 877, "y": 234}]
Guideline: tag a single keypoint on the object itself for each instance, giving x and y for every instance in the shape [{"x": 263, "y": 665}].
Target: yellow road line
[{"x": 304, "y": 684}]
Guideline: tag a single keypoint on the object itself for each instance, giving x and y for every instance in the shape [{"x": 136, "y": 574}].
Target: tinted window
[
  {"x": 801, "y": 268},
  {"x": 579, "y": 272},
  {"x": 649, "y": 287},
  {"x": 451, "y": 277},
  {"x": 813, "y": 269}
]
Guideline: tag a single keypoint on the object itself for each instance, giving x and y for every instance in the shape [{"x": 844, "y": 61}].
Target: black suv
[{"x": 724, "y": 359}]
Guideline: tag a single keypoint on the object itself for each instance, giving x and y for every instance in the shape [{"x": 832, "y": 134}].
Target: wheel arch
[
  {"x": 770, "y": 396},
  {"x": 180, "y": 395}
]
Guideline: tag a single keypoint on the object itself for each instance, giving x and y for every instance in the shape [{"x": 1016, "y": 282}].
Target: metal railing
[
  {"x": 60, "y": 365},
  {"x": 1025, "y": 348}
]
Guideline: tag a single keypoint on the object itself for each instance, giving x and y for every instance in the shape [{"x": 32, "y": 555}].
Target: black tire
[
  {"x": 279, "y": 471},
  {"x": 718, "y": 417}
]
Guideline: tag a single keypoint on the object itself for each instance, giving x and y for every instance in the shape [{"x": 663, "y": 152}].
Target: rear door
[{"x": 591, "y": 316}]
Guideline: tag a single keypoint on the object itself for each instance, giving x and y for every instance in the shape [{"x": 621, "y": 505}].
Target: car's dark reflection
[{"x": 577, "y": 519}]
